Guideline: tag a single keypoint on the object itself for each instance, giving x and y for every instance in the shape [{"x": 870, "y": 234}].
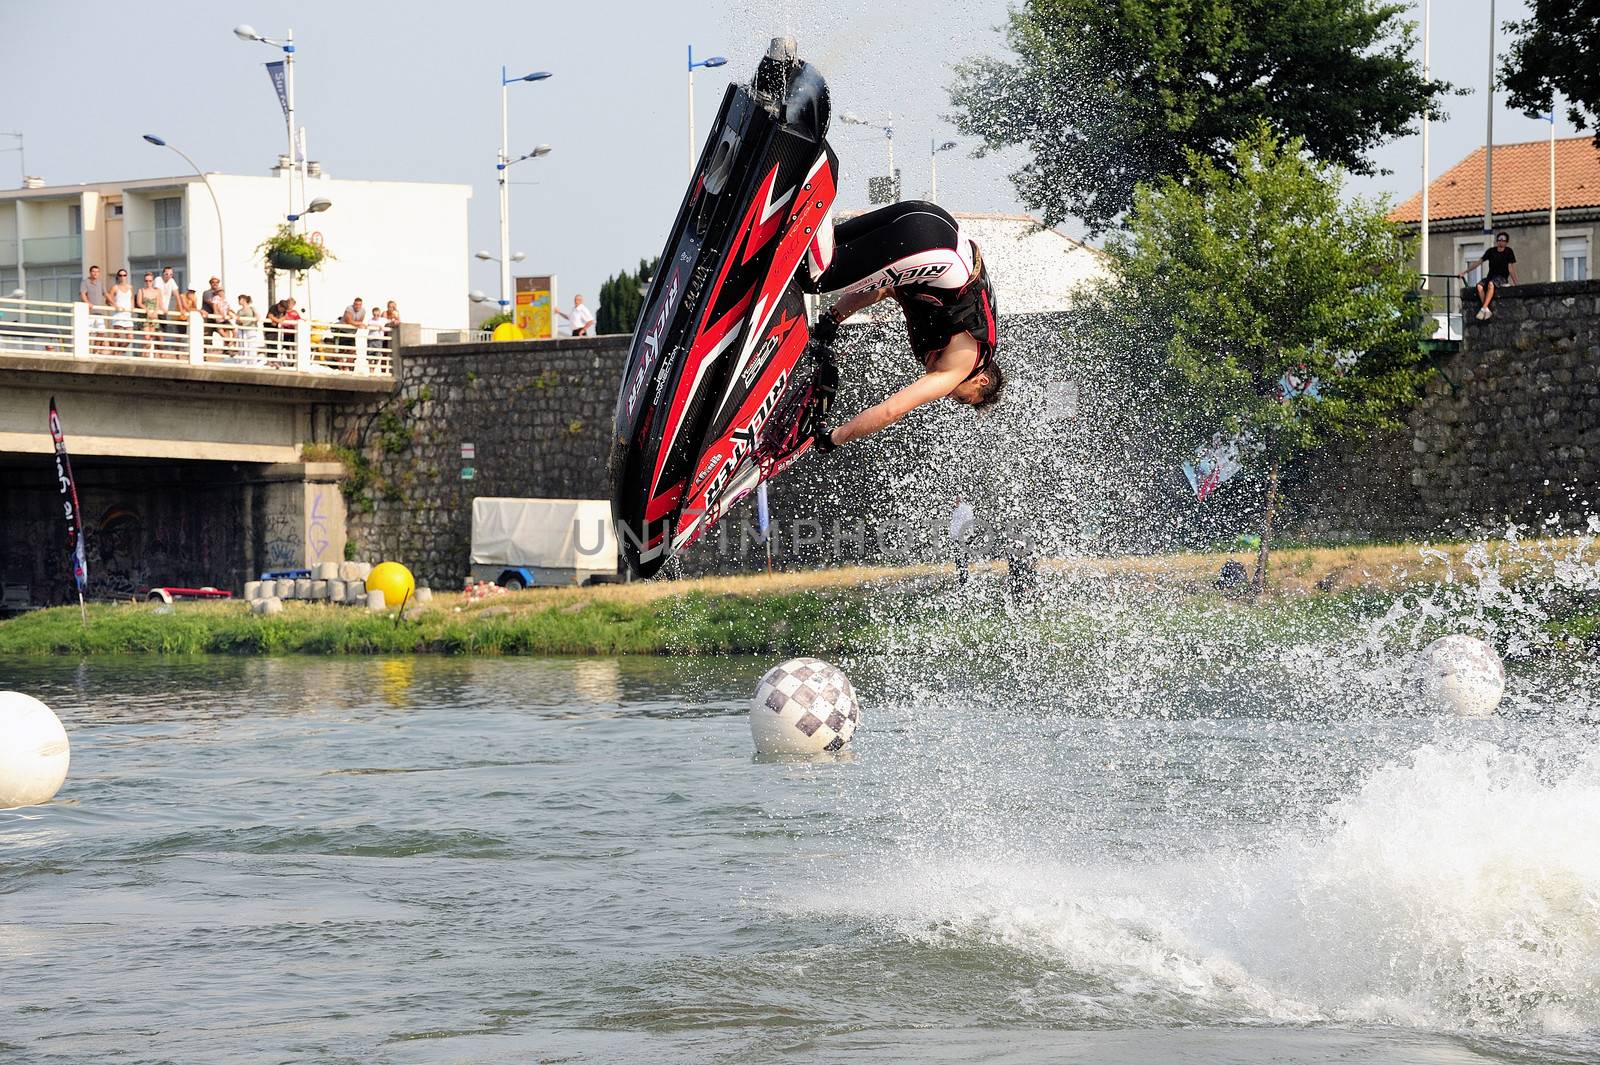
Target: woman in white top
[
  {"x": 122, "y": 312},
  {"x": 249, "y": 323}
]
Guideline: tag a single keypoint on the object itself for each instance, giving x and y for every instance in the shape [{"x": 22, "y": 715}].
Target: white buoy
[
  {"x": 1462, "y": 674},
  {"x": 34, "y": 751},
  {"x": 803, "y": 706}
]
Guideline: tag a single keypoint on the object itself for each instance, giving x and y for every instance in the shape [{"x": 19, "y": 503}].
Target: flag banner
[
  {"x": 763, "y": 516},
  {"x": 280, "y": 81},
  {"x": 69, "y": 501}
]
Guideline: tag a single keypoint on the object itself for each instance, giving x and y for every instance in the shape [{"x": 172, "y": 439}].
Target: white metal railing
[{"x": 78, "y": 331}]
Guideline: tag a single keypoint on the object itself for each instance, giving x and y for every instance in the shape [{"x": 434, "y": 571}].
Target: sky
[{"x": 410, "y": 91}]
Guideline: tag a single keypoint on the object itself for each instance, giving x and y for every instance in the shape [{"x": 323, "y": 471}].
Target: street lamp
[
  {"x": 296, "y": 163},
  {"x": 934, "y": 148},
  {"x": 502, "y": 161},
  {"x": 222, "y": 270},
  {"x": 887, "y": 126},
  {"x": 505, "y": 267},
  {"x": 316, "y": 206},
  {"x": 714, "y": 61}
]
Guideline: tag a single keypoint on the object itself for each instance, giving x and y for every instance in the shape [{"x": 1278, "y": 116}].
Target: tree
[
  {"x": 1239, "y": 275},
  {"x": 1107, "y": 94},
  {"x": 1556, "y": 51},
  {"x": 622, "y": 298}
]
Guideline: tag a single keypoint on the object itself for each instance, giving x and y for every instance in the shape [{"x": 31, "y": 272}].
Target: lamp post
[
  {"x": 934, "y": 148},
  {"x": 296, "y": 163},
  {"x": 714, "y": 61},
  {"x": 1427, "y": 6},
  {"x": 887, "y": 127},
  {"x": 502, "y": 162},
  {"x": 505, "y": 268},
  {"x": 222, "y": 269}
]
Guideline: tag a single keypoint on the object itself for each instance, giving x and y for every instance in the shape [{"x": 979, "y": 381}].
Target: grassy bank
[{"x": 817, "y": 612}]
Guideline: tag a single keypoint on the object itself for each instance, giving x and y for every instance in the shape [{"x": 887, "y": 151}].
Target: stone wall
[
  {"x": 538, "y": 414},
  {"x": 1509, "y": 431}
]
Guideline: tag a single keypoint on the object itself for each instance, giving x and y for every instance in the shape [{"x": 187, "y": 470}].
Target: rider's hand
[
  {"x": 823, "y": 443},
  {"x": 826, "y": 329}
]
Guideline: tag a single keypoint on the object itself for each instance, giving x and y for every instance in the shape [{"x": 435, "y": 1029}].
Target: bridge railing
[{"x": 79, "y": 331}]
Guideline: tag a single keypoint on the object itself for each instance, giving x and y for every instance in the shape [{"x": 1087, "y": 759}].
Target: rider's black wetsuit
[{"x": 916, "y": 250}]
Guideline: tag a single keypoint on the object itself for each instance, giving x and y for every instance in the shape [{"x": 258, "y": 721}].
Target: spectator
[
  {"x": 221, "y": 319},
  {"x": 249, "y": 322},
  {"x": 377, "y": 329},
  {"x": 148, "y": 300},
  {"x": 288, "y": 328},
  {"x": 209, "y": 295},
  {"x": 392, "y": 312},
  {"x": 353, "y": 319},
  {"x": 187, "y": 305},
  {"x": 581, "y": 319},
  {"x": 121, "y": 301},
  {"x": 169, "y": 299},
  {"x": 1502, "y": 271},
  {"x": 93, "y": 292},
  {"x": 274, "y": 331}
]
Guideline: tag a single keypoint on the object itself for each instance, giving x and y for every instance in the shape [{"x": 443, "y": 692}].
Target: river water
[{"x": 580, "y": 860}]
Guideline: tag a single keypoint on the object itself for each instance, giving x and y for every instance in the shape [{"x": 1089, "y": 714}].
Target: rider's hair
[{"x": 992, "y": 383}]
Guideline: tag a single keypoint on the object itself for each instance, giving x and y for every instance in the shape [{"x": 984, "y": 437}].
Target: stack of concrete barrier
[{"x": 343, "y": 583}]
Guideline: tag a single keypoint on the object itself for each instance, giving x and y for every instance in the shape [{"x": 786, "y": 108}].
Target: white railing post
[
  {"x": 302, "y": 345},
  {"x": 80, "y": 330},
  {"x": 360, "y": 366},
  {"x": 197, "y": 338}
]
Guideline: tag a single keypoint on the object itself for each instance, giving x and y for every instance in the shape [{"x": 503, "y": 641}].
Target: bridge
[{"x": 186, "y": 439}]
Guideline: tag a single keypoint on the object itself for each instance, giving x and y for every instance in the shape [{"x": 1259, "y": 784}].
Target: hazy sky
[{"x": 410, "y": 90}]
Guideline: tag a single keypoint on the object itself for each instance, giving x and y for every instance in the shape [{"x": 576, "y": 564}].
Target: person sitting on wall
[{"x": 1502, "y": 271}]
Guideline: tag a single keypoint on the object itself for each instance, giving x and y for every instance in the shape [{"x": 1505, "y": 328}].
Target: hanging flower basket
[{"x": 288, "y": 250}]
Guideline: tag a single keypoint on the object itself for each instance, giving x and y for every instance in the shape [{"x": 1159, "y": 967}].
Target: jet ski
[{"x": 723, "y": 339}]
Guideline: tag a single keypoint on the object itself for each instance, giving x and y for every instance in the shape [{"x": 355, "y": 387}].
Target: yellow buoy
[
  {"x": 506, "y": 331},
  {"x": 393, "y": 580}
]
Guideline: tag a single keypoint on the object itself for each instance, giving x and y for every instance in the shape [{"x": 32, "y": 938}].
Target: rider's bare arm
[
  {"x": 925, "y": 389},
  {"x": 851, "y": 302}
]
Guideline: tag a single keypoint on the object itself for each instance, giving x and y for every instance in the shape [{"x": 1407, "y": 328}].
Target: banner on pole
[
  {"x": 69, "y": 501},
  {"x": 534, "y": 307},
  {"x": 280, "y": 81}
]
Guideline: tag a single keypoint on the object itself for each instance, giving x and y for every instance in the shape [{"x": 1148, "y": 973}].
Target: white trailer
[{"x": 527, "y": 543}]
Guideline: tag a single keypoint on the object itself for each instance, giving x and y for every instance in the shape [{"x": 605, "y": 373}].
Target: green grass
[{"x": 696, "y": 623}]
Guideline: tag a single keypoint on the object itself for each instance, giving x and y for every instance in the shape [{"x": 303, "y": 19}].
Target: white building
[
  {"x": 391, "y": 240},
  {"x": 1034, "y": 269}
]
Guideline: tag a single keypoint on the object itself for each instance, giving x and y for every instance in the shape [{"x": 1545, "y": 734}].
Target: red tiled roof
[{"x": 1521, "y": 181}]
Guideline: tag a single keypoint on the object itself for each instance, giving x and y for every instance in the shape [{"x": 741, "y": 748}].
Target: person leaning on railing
[
  {"x": 249, "y": 322},
  {"x": 148, "y": 300}
]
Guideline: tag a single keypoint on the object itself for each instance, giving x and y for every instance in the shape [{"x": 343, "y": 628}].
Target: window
[
  {"x": 113, "y": 210},
  {"x": 168, "y": 212},
  {"x": 1471, "y": 252},
  {"x": 1574, "y": 258},
  {"x": 75, "y": 219},
  {"x": 57, "y": 284}
]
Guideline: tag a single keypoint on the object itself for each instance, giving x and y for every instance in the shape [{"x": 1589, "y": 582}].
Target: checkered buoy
[{"x": 803, "y": 706}]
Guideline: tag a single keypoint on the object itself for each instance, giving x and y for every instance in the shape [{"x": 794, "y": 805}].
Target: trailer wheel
[{"x": 512, "y": 582}]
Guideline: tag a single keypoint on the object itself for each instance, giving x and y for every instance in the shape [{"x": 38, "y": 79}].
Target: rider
[{"x": 915, "y": 252}]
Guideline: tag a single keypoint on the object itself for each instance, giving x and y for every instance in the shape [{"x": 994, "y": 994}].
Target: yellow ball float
[
  {"x": 506, "y": 331},
  {"x": 393, "y": 580}
]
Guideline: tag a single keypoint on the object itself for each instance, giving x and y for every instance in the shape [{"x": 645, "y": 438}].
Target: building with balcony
[{"x": 391, "y": 240}]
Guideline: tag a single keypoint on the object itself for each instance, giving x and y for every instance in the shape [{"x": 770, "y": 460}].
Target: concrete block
[
  {"x": 302, "y": 587},
  {"x": 266, "y": 605},
  {"x": 356, "y": 591},
  {"x": 252, "y": 590},
  {"x": 363, "y": 570},
  {"x": 337, "y": 591},
  {"x": 348, "y": 571},
  {"x": 326, "y": 571},
  {"x": 375, "y": 600},
  {"x": 318, "y": 590},
  {"x": 423, "y": 594},
  {"x": 284, "y": 589}
]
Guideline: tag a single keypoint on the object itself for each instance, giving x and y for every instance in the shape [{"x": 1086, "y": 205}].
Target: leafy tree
[
  {"x": 1233, "y": 277},
  {"x": 1107, "y": 94},
  {"x": 1557, "y": 50},
  {"x": 622, "y": 298}
]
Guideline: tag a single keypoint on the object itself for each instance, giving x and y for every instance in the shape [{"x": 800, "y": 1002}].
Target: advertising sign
[{"x": 534, "y": 310}]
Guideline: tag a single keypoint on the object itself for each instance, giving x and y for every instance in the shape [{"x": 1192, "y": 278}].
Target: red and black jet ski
[{"x": 720, "y": 342}]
